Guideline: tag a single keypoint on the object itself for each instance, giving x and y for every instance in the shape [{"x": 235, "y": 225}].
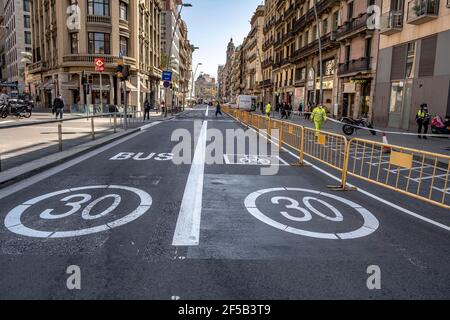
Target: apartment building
[
  {"x": 65, "y": 46},
  {"x": 205, "y": 88},
  {"x": 266, "y": 85},
  {"x": 185, "y": 64},
  {"x": 220, "y": 82},
  {"x": 356, "y": 71},
  {"x": 252, "y": 48},
  {"x": 237, "y": 73},
  {"x": 226, "y": 76},
  {"x": 3, "y": 32},
  {"x": 17, "y": 42},
  {"x": 413, "y": 60}
]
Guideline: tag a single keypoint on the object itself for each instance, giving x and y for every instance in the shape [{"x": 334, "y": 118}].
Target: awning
[
  {"x": 144, "y": 89},
  {"x": 49, "y": 85},
  {"x": 73, "y": 84},
  {"x": 130, "y": 87}
]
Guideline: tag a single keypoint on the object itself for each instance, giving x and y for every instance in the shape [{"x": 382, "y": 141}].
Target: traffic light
[{"x": 83, "y": 79}]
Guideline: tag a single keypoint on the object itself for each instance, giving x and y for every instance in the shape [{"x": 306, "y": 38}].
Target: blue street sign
[{"x": 167, "y": 75}]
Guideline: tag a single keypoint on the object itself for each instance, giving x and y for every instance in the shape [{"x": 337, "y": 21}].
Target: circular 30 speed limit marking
[
  {"x": 369, "y": 226},
  {"x": 14, "y": 223}
]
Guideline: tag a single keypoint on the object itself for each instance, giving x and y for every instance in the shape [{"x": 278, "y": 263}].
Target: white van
[{"x": 246, "y": 103}]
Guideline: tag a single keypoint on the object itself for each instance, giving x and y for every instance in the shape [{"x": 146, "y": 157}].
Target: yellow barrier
[
  {"x": 419, "y": 174},
  {"x": 416, "y": 173}
]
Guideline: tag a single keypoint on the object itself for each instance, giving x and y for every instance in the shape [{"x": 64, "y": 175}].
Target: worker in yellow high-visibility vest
[
  {"x": 319, "y": 116},
  {"x": 268, "y": 110}
]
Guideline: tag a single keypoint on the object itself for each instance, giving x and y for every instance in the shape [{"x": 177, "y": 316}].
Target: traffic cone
[{"x": 386, "y": 149}]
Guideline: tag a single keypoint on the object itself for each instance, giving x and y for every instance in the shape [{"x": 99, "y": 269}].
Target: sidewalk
[{"x": 432, "y": 144}]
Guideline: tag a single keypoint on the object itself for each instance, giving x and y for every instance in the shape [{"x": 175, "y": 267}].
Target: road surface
[{"x": 139, "y": 226}]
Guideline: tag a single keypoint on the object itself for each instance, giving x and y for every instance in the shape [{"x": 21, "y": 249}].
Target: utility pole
[{"x": 320, "y": 53}]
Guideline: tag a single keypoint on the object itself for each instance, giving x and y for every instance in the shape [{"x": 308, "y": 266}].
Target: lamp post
[
  {"x": 320, "y": 53},
  {"x": 169, "y": 58},
  {"x": 193, "y": 78}
]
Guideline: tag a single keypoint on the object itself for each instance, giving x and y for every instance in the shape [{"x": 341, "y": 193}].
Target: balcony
[
  {"x": 391, "y": 22},
  {"x": 278, "y": 42},
  {"x": 287, "y": 36},
  {"x": 98, "y": 19},
  {"x": 289, "y": 11},
  {"x": 353, "y": 27},
  {"x": 265, "y": 83},
  {"x": 266, "y": 63},
  {"x": 37, "y": 67},
  {"x": 313, "y": 47},
  {"x": 421, "y": 11},
  {"x": 354, "y": 66}
]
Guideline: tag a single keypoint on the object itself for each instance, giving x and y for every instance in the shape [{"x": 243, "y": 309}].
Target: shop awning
[
  {"x": 131, "y": 87},
  {"x": 73, "y": 84},
  {"x": 48, "y": 85},
  {"x": 144, "y": 89}
]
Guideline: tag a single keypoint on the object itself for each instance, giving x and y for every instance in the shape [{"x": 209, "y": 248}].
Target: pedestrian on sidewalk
[
  {"x": 308, "y": 110},
  {"x": 289, "y": 110},
  {"x": 319, "y": 116},
  {"x": 283, "y": 110},
  {"x": 423, "y": 120},
  {"x": 58, "y": 107},
  {"x": 147, "y": 110},
  {"x": 218, "y": 111},
  {"x": 268, "y": 109}
]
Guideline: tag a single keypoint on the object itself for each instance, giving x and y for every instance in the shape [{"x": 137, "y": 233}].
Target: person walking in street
[
  {"x": 300, "y": 108},
  {"x": 218, "y": 111},
  {"x": 268, "y": 109},
  {"x": 288, "y": 110},
  {"x": 319, "y": 116},
  {"x": 58, "y": 107},
  {"x": 147, "y": 110},
  {"x": 308, "y": 110},
  {"x": 423, "y": 120}
]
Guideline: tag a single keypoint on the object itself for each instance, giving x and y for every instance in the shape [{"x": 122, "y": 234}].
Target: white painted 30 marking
[
  {"x": 14, "y": 223},
  {"x": 369, "y": 226}
]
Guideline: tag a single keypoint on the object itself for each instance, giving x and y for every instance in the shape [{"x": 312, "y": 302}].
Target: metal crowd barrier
[
  {"x": 415, "y": 173},
  {"x": 116, "y": 120}
]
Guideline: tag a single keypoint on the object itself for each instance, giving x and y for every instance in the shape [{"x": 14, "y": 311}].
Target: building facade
[
  {"x": 413, "y": 60},
  {"x": 65, "y": 47},
  {"x": 205, "y": 88},
  {"x": 359, "y": 43},
  {"x": 17, "y": 42},
  {"x": 252, "y": 47}
]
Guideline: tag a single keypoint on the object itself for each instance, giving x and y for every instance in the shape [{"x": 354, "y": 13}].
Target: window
[
  {"x": 350, "y": 11},
  {"x": 26, "y": 5},
  {"x": 368, "y": 50},
  {"x": 410, "y": 55},
  {"x": 123, "y": 11},
  {"x": 124, "y": 45},
  {"x": 98, "y": 7},
  {"x": 74, "y": 43},
  {"x": 99, "y": 43},
  {"x": 27, "y": 37},
  {"x": 26, "y": 22},
  {"x": 335, "y": 20},
  {"x": 324, "y": 26}
]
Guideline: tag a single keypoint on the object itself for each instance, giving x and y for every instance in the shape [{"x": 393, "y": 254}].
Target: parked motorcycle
[
  {"x": 21, "y": 108},
  {"x": 351, "y": 125}
]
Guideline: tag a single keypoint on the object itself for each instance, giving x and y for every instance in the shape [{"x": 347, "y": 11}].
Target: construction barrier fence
[{"x": 415, "y": 173}]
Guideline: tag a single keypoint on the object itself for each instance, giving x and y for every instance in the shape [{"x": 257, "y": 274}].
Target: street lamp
[
  {"x": 169, "y": 58},
  {"x": 193, "y": 78},
  {"x": 320, "y": 53}
]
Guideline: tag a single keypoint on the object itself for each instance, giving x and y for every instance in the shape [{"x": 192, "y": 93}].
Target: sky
[{"x": 211, "y": 24}]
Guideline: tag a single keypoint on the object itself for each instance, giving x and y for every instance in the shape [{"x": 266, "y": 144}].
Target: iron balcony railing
[
  {"x": 352, "y": 26},
  {"x": 422, "y": 8},
  {"x": 359, "y": 65}
]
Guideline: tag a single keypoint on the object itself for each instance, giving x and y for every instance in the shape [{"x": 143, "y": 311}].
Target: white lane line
[
  {"x": 187, "y": 231},
  {"x": 393, "y": 205},
  {"x": 207, "y": 111},
  {"x": 41, "y": 176}
]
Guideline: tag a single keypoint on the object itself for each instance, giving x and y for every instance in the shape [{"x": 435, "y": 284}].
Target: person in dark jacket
[
  {"x": 147, "y": 108},
  {"x": 218, "y": 111},
  {"x": 58, "y": 107}
]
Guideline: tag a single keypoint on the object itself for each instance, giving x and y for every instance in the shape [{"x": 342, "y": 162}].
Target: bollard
[
  {"x": 280, "y": 142},
  {"x": 60, "y": 136},
  {"x": 93, "y": 128},
  {"x": 115, "y": 123}
]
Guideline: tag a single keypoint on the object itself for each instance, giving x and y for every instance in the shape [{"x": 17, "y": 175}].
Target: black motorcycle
[
  {"x": 351, "y": 125},
  {"x": 18, "y": 107}
]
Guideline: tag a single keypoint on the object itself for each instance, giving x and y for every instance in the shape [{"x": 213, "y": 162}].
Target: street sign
[
  {"x": 166, "y": 84},
  {"x": 167, "y": 75},
  {"x": 99, "y": 64}
]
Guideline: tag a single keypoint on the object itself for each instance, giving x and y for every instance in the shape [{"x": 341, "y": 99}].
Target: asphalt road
[{"x": 140, "y": 226}]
